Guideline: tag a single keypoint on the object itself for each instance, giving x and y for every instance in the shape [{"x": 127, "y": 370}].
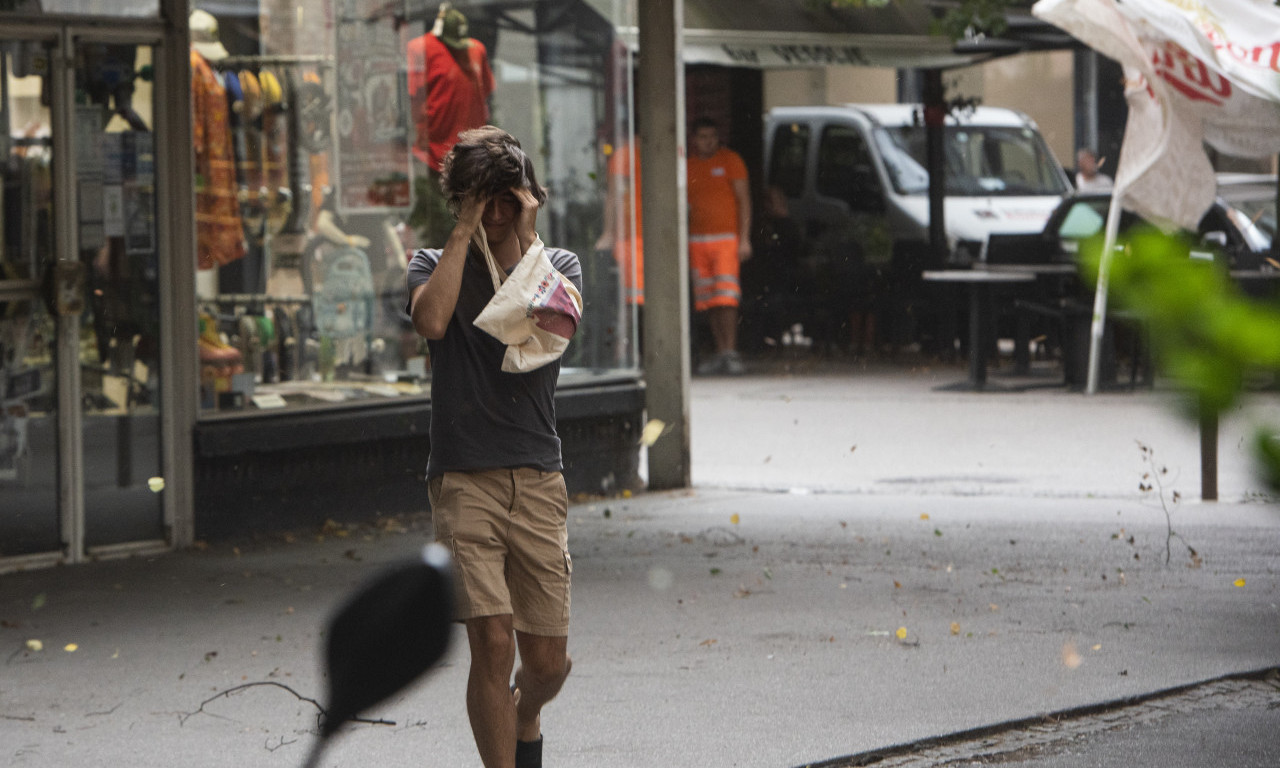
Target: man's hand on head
[
  {"x": 526, "y": 222},
  {"x": 471, "y": 212}
]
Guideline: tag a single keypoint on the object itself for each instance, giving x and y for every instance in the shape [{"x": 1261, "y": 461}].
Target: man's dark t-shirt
[{"x": 482, "y": 417}]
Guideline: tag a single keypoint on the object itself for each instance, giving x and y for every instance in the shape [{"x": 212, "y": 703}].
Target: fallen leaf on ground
[
  {"x": 709, "y": 641},
  {"x": 1238, "y": 582},
  {"x": 70, "y": 647},
  {"x": 35, "y": 645},
  {"x": 955, "y": 627},
  {"x": 1070, "y": 656},
  {"x": 734, "y": 518},
  {"x": 924, "y": 515},
  {"x": 902, "y": 633}
]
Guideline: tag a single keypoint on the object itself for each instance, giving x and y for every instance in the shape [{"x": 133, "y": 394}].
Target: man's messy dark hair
[{"x": 487, "y": 161}]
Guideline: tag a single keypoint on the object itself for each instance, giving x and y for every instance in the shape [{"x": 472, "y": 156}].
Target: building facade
[{"x": 208, "y": 206}]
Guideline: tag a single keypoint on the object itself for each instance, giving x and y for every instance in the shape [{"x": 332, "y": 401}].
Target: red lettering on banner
[
  {"x": 1189, "y": 75},
  {"x": 1259, "y": 55}
]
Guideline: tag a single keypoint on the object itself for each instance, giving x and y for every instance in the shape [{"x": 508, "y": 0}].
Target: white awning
[
  {"x": 781, "y": 34},
  {"x": 782, "y": 50}
]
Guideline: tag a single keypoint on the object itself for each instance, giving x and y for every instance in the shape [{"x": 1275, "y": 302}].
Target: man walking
[
  {"x": 719, "y": 240},
  {"x": 497, "y": 495}
]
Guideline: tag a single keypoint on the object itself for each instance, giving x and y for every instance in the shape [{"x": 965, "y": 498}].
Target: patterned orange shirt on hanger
[{"x": 219, "y": 233}]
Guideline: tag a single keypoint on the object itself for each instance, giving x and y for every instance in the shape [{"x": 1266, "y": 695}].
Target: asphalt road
[{"x": 863, "y": 565}]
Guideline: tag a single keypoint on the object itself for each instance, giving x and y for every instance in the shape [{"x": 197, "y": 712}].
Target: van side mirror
[{"x": 1216, "y": 239}]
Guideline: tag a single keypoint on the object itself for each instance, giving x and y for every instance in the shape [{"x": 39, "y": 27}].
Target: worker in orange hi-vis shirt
[
  {"x": 719, "y": 240},
  {"x": 623, "y": 224}
]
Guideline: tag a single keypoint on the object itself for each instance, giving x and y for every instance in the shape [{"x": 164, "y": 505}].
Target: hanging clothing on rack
[
  {"x": 251, "y": 174},
  {"x": 275, "y": 148},
  {"x": 299, "y": 172},
  {"x": 219, "y": 231},
  {"x": 315, "y": 106}
]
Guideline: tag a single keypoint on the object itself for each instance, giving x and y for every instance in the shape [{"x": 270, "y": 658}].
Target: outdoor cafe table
[
  {"x": 979, "y": 283},
  {"x": 1049, "y": 268},
  {"x": 1258, "y": 283}
]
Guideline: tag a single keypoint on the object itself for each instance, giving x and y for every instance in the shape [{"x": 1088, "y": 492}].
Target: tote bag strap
[
  {"x": 482, "y": 242},
  {"x": 496, "y": 273}
]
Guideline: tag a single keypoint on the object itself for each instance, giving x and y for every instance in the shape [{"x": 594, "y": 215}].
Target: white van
[
  {"x": 833, "y": 163},
  {"x": 854, "y": 181}
]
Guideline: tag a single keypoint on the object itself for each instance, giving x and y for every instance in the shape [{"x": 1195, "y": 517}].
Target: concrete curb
[{"x": 879, "y": 756}]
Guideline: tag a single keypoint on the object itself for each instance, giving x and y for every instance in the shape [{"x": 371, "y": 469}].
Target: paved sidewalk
[
  {"x": 751, "y": 621},
  {"x": 887, "y": 430}
]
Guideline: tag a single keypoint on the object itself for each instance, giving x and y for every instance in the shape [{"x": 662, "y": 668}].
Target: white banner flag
[{"x": 1196, "y": 71}]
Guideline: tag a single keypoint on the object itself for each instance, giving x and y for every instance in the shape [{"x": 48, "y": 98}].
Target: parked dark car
[
  {"x": 1238, "y": 227},
  {"x": 1236, "y": 230}
]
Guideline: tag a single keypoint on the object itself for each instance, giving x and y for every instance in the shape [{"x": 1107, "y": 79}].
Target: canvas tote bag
[{"x": 534, "y": 311}]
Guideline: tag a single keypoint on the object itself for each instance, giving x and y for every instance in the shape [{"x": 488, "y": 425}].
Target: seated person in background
[{"x": 1088, "y": 178}]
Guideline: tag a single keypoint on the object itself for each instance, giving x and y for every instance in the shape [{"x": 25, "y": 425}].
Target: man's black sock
[{"x": 529, "y": 754}]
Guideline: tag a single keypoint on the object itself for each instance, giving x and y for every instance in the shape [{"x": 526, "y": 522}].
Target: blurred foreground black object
[{"x": 387, "y": 634}]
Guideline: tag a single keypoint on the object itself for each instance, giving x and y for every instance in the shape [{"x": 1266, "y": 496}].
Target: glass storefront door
[
  {"x": 80, "y": 447},
  {"x": 29, "y": 511},
  {"x": 119, "y": 339}
]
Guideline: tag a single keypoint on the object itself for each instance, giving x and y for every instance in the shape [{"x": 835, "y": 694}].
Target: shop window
[
  {"x": 120, "y": 8},
  {"x": 318, "y": 179}
]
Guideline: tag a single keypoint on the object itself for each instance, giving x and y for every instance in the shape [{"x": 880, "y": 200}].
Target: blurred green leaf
[{"x": 1203, "y": 331}]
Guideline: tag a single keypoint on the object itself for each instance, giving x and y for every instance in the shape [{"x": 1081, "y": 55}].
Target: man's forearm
[{"x": 742, "y": 197}]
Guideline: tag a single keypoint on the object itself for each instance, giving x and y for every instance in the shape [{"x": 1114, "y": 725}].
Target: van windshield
[{"x": 981, "y": 161}]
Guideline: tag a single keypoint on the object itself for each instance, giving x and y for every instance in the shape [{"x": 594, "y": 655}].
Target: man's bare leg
[
  {"x": 544, "y": 665},
  {"x": 490, "y": 704},
  {"x": 724, "y": 328}
]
